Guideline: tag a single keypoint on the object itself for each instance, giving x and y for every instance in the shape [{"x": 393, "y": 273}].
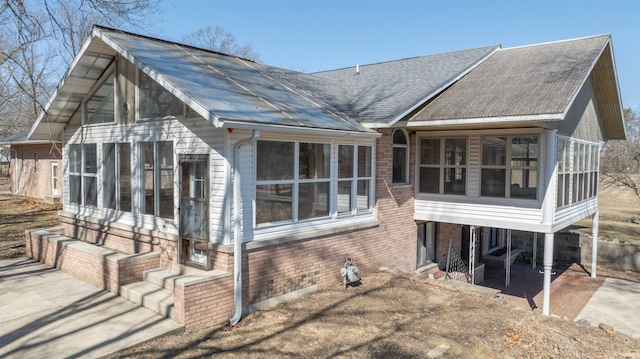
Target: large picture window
[
  {"x": 509, "y": 167},
  {"x": 116, "y": 181},
  {"x": 443, "y": 166},
  {"x": 83, "y": 174},
  {"x": 157, "y": 178},
  {"x": 294, "y": 181},
  {"x": 154, "y": 102}
]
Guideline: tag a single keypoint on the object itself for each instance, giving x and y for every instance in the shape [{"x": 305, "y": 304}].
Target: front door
[{"x": 194, "y": 210}]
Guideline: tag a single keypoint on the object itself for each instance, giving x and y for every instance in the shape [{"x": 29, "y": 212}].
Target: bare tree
[
  {"x": 621, "y": 159},
  {"x": 216, "y": 39},
  {"x": 39, "y": 37}
]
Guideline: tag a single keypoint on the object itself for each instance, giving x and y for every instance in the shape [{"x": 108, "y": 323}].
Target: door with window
[
  {"x": 194, "y": 210},
  {"x": 426, "y": 244}
]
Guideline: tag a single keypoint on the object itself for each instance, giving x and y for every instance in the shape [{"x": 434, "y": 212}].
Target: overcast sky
[{"x": 314, "y": 35}]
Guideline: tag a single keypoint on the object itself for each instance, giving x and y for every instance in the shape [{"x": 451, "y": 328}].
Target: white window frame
[
  {"x": 110, "y": 70},
  {"x": 332, "y": 179},
  {"x": 508, "y": 167},
  {"x": 139, "y": 118},
  {"x": 157, "y": 178},
  {"x": 442, "y": 165},
  {"x": 117, "y": 153},
  {"x": 581, "y": 165},
  {"x": 84, "y": 175},
  {"x": 401, "y": 146}
]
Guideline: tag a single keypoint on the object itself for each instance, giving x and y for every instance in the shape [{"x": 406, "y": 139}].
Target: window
[
  {"x": 400, "y": 157},
  {"x": 443, "y": 166},
  {"x": 157, "y": 178},
  {"x": 496, "y": 238},
  {"x": 294, "y": 181},
  {"x": 83, "y": 168},
  {"x": 99, "y": 107},
  {"x": 116, "y": 173},
  {"x": 154, "y": 101},
  {"x": 578, "y": 164},
  {"x": 509, "y": 167}
]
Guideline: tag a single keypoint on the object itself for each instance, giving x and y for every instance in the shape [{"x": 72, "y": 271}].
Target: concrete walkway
[
  {"x": 617, "y": 304},
  {"x": 46, "y": 313},
  {"x": 574, "y": 296}
]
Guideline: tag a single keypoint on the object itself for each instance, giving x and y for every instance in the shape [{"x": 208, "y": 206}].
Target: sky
[{"x": 315, "y": 35}]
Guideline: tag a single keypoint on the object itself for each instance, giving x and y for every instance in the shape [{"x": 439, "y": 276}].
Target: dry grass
[{"x": 18, "y": 214}]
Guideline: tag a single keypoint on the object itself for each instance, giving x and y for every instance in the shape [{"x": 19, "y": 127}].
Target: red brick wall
[
  {"x": 32, "y": 183},
  {"x": 205, "y": 303}
]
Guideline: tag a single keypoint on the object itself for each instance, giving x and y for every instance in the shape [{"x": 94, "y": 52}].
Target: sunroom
[{"x": 513, "y": 147}]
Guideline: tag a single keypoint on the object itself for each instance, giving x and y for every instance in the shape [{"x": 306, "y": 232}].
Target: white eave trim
[
  {"x": 241, "y": 125},
  {"x": 486, "y": 120}
]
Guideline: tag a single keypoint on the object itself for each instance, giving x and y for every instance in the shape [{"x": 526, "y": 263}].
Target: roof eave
[
  {"x": 487, "y": 120},
  {"x": 243, "y": 125}
]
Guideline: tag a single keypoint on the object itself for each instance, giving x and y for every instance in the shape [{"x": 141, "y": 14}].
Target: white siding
[
  {"x": 568, "y": 216},
  {"x": 190, "y": 136},
  {"x": 478, "y": 214}
]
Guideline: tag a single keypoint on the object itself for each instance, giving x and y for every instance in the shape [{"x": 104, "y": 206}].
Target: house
[
  {"x": 235, "y": 185},
  {"x": 35, "y": 167}
]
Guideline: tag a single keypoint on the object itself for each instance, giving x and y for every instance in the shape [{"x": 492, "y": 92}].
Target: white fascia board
[
  {"x": 440, "y": 89},
  {"x": 297, "y": 130},
  {"x": 73, "y": 64},
  {"x": 485, "y": 222},
  {"x": 487, "y": 120},
  {"x": 195, "y": 106}
]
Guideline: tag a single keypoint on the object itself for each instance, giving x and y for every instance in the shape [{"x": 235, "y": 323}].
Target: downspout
[{"x": 237, "y": 240}]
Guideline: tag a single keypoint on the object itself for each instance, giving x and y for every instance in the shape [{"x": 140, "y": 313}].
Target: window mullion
[
  {"x": 354, "y": 182},
  {"x": 156, "y": 180},
  {"x": 508, "y": 161},
  {"x": 295, "y": 195}
]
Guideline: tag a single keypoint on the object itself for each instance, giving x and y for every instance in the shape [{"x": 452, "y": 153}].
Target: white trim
[
  {"x": 486, "y": 120},
  {"x": 233, "y": 124}
]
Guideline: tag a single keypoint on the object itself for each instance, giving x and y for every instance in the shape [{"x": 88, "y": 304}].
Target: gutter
[{"x": 237, "y": 237}]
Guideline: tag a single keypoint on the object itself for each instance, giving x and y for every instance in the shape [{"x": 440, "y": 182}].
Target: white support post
[
  {"x": 507, "y": 276},
  {"x": 547, "y": 264},
  {"x": 594, "y": 243},
  {"x": 535, "y": 249},
  {"x": 472, "y": 254}
]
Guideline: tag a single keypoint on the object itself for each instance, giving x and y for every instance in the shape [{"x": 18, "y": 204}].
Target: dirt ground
[
  {"x": 394, "y": 316},
  {"x": 388, "y": 316},
  {"x": 18, "y": 214}
]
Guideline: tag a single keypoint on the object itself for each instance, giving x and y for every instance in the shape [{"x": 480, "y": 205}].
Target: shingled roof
[
  {"x": 380, "y": 94},
  {"x": 530, "y": 83}
]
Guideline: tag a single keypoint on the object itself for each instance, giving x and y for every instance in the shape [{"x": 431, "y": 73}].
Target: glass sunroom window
[
  {"x": 99, "y": 107},
  {"x": 509, "y": 167},
  {"x": 443, "y": 166},
  {"x": 294, "y": 180},
  {"x": 154, "y": 101}
]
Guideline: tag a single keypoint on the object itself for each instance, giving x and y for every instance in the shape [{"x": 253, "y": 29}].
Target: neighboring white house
[{"x": 197, "y": 156}]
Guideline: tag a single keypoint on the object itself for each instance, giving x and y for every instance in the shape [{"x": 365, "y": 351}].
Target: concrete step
[
  {"x": 150, "y": 296},
  {"x": 163, "y": 278}
]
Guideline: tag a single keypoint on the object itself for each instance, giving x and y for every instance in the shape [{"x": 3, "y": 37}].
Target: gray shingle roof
[
  {"x": 380, "y": 93},
  {"x": 537, "y": 80},
  {"x": 14, "y": 138}
]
